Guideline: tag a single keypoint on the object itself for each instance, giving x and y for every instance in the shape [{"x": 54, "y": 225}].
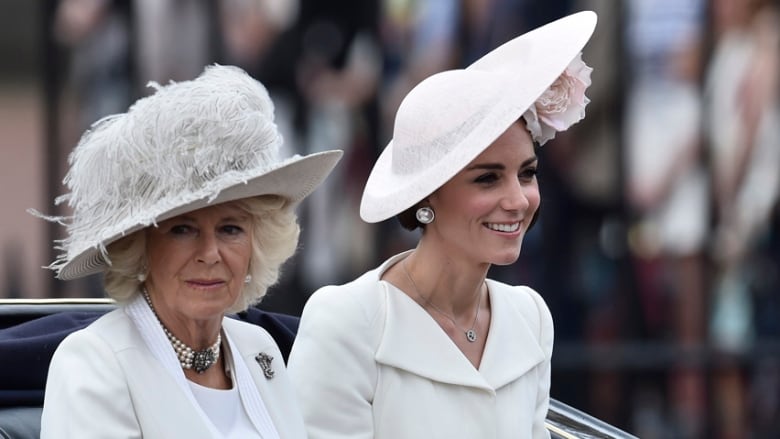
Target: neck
[
  {"x": 191, "y": 358},
  {"x": 454, "y": 288},
  {"x": 195, "y": 334}
]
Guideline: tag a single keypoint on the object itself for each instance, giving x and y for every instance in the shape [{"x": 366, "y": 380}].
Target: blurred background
[{"x": 657, "y": 247}]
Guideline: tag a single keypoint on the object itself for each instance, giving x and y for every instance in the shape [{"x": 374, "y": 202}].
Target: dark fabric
[
  {"x": 282, "y": 327},
  {"x": 26, "y": 349}
]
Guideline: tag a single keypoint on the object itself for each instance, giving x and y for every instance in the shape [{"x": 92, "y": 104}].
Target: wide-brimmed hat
[
  {"x": 190, "y": 145},
  {"x": 449, "y": 118}
]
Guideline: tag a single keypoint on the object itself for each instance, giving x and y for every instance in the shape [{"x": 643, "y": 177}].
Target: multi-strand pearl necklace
[{"x": 189, "y": 358}]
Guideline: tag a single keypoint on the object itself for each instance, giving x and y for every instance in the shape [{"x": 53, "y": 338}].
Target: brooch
[{"x": 264, "y": 360}]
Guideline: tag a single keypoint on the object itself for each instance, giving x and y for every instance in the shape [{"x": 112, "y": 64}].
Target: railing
[{"x": 566, "y": 422}]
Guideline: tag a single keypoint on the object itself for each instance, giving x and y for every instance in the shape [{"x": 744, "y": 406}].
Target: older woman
[
  {"x": 185, "y": 206},
  {"x": 425, "y": 345}
]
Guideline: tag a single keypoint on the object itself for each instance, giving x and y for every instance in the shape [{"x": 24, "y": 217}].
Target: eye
[
  {"x": 181, "y": 229},
  {"x": 528, "y": 174},
  {"x": 490, "y": 177},
  {"x": 231, "y": 229}
]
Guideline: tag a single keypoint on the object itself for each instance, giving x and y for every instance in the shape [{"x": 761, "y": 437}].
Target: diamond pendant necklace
[
  {"x": 189, "y": 358},
  {"x": 471, "y": 333}
]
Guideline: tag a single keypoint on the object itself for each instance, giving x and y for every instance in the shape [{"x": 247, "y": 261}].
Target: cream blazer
[
  {"x": 105, "y": 381},
  {"x": 369, "y": 362}
]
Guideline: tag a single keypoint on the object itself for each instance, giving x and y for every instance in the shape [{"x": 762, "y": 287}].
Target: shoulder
[
  {"x": 528, "y": 304},
  {"x": 359, "y": 293},
  {"x": 245, "y": 333},
  {"x": 347, "y": 316},
  {"x": 332, "y": 357},
  {"x": 113, "y": 331},
  {"x": 348, "y": 319},
  {"x": 525, "y": 299},
  {"x": 95, "y": 347},
  {"x": 359, "y": 302},
  {"x": 87, "y": 389},
  {"x": 361, "y": 298}
]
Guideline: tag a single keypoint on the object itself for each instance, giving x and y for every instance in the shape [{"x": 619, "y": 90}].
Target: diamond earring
[
  {"x": 425, "y": 215},
  {"x": 248, "y": 278}
]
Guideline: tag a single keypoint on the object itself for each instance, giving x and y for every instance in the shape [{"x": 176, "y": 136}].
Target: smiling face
[
  {"x": 198, "y": 261},
  {"x": 484, "y": 211}
]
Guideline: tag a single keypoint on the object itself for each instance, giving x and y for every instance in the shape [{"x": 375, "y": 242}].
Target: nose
[
  {"x": 208, "y": 249},
  {"x": 516, "y": 197}
]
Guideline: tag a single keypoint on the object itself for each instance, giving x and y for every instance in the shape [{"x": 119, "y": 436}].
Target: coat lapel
[
  {"x": 250, "y": 376},
  {"x": 512, "y": 347},
  {"x": 414, "y": 342},
  {"x": 170, "y": 393}
]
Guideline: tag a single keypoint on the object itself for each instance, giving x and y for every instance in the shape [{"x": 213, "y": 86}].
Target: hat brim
[
  {"x": 536, "y": 59},
  {"x": 389, "y": 191},
  {"x": 293, "y": 179}
]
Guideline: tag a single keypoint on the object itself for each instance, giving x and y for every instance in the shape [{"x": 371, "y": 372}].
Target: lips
[
  {"x": 503, "y": 227},
  {"x": 205, "y": 283}
]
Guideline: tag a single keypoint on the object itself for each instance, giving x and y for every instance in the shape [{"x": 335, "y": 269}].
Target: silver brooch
[{"x": 264, "y": 360}]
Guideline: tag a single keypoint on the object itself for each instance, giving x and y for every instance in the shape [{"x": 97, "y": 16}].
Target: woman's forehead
[{"x": 232, "y": 209}]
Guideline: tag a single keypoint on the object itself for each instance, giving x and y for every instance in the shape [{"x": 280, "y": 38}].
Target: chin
[
  {"x": 211, "y": 310},
  {"x": 506, "y": 259},
  {"x": 508, "y": 255}
]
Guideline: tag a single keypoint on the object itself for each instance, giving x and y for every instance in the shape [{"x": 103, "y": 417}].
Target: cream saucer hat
[
  {"x": 190, "y": 145},
  {"x": 449, "y": 118}
]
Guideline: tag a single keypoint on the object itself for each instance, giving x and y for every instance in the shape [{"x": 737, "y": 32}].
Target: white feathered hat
[
  {"x": 449, "y": 118},
  {"x": 190, "y": 145}
]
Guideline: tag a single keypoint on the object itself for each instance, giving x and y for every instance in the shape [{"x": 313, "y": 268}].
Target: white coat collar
[
  {"x": 413, "y": 341},
  {"x": 253, "y": 390},
  {"x": 154, "y": 337}
]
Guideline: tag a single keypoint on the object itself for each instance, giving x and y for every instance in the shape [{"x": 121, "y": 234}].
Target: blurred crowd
[{"x": 657, "y": 247}]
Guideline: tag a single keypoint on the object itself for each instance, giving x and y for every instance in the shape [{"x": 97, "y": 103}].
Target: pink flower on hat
[{"x": 562, "y": 105}]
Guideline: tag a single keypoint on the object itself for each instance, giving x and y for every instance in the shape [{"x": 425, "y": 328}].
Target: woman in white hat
[
  {"x": 186, "y": 207},
  {"x": 425, "y": 346}
]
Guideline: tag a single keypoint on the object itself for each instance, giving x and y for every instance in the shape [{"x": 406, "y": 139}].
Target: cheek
[
  {"x": 160, "y": 256},
  {"x": 532, "y": 195},
  {"x": 240, "y": 255},
  {"x": 534, "y": 198},
  {"x": 481, "y": 206},
  {"x": 465, "y": 209},
  {"x": 475, "y": 207},
  {"x": 165, "y": 261}
]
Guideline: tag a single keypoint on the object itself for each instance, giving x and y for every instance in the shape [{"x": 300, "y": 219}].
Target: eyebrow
[
  {"x": 500, "y": 166},
  {"x": 238, "y": 216}
]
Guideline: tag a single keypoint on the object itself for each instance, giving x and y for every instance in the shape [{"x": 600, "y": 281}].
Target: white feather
[{"x": 187, "y": 141}]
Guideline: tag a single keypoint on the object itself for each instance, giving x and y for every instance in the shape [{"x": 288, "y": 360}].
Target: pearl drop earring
[
  {"x": 141, "y": 276},
  {"x": 425, "y": 215}
]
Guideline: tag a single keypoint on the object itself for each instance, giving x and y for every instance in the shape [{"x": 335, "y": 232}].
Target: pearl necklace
[
  {"x": 189, "y": 358},
  {"x": 471, "y": 333}
]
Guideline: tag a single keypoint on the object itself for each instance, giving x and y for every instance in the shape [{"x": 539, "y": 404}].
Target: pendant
[
  {"x": 471, "y": 335},
  {"x": 202, "y": 360}
]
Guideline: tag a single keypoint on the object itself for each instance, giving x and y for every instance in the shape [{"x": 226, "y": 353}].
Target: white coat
[
  {"x": 369, "y": 362},
  {"x": 106, "y": 382}
]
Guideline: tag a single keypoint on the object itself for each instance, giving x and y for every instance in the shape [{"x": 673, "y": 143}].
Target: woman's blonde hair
[{"x": 274, "y": 240}]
